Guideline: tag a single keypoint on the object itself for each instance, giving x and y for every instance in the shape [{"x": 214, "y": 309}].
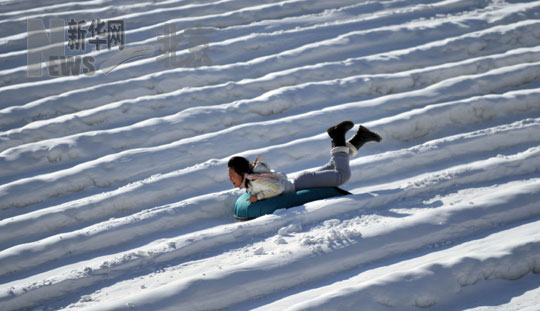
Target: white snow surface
[{"x": 114, "y": 193}]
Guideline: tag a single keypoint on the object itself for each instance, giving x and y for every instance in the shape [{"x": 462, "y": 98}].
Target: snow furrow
[
  {"x": 494, "y": 40},
  {"x": 495, "y": 211},
  {"x": 25, "y": 228},
  {"x": 88, "y": 9},
  {"x": 302, "y": 35},
  {"x": 154, "y": 19},
  {"x": 105, "y": 171},
  {"x": 10, "y": 8},
  {"x": 100, "y": 143},
  {"x": 119, "y": 231},
  {"x": 347, "y": 45},
  {"x": 114, "y": 192},
  {"x": 508, "y": 255},
  {"x": 268, "y": 272},
  {"x": 263, "y": 276},
  {"x": 244, "y": 13},
  {"x": 159, "y": 100}
]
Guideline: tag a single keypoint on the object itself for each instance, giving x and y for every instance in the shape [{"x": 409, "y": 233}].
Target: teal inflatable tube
[{"x": 244, "y": 210}]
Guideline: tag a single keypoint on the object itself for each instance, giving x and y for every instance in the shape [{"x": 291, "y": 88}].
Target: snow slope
[{"x": 114, "y": 192}]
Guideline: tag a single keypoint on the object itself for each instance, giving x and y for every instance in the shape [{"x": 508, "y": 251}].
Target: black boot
[
  {"x": 363, "y": 136},
  {"x": 337, "y": 133}
]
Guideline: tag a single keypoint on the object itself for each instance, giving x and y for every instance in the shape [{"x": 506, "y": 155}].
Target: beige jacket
[{"x": 266, "y": 183}]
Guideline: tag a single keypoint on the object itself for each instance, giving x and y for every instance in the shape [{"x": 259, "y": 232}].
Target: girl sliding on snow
[{"x": 262, "y": 183}]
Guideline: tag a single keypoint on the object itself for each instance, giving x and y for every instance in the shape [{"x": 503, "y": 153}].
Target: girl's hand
[{"x": 253, "y": 199}]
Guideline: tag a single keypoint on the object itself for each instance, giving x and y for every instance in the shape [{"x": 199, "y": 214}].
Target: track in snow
[{"x": 113, "y": 187}]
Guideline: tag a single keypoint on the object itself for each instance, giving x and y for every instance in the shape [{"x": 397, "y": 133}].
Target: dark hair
[{"x": 240, "y": 165}]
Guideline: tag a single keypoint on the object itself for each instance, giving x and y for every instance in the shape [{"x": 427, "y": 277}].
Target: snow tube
[{"x": 244, "y": 210}]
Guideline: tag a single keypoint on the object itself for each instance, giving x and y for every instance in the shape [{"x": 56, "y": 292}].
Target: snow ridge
[{"x": 114, "y": 192}]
